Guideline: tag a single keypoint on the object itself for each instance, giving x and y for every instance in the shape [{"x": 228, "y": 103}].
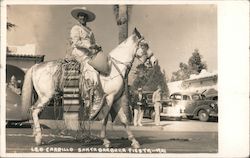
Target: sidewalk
[{"x": 148, "y": 125}]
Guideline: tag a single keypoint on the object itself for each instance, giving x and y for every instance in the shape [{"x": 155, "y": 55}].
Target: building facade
[
  {"x": 18, "y": 62},
  {"x": 205, "y": 82}
]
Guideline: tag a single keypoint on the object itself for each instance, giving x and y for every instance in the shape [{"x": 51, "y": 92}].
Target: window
[
  {"x": 149, "y": 96},
  {"x": 203, "y": 97},
  {"x": 186, "y": 97},
  {"x": 176, "y": 97}
]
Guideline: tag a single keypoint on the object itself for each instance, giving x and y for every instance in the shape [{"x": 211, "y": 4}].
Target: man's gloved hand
[{"x": 96, "y": 47}]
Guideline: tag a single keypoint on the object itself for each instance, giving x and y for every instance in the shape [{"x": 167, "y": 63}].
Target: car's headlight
[{"x": 213, "y": 105}]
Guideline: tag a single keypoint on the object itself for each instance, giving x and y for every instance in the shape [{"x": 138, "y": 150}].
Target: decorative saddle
[{"x": 73, "y": 95}]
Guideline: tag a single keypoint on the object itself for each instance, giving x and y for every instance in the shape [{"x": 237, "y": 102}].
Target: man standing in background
[
  {"x": 140, "y": 103},
  {"x": 156, "y": 99}
]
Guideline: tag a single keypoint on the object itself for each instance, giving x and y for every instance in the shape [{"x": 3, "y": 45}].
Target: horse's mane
[{"x": 124, "y": 47}]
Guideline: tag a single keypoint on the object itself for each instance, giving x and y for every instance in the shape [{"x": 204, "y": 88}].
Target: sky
[{"x": 173, "y": 31}]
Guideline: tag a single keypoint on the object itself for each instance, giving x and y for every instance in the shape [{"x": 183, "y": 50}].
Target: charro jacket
[{"x": 82, "y": 39}]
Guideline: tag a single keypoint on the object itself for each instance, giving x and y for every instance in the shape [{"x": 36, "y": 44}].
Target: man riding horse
[
  {"x": 111, "y": 83},
  {"x": 84, "y": 48}
]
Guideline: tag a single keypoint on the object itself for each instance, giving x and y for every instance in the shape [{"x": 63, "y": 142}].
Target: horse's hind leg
[
  {"x": 123, "y": 118},
  {"x": 106, "y": 142},
  {"x": 39, "y": 105}
]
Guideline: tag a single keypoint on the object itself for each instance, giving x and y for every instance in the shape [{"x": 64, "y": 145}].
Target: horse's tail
[{"x": 27, "y": 93}]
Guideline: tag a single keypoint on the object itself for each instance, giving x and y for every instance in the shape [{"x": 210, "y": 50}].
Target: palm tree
[
  {"x": 10, "y": 26},
  {"x": 121, "y": 14}
]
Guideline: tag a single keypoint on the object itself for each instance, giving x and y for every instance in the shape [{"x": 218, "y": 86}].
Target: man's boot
[{"x": 97, "y": 103}]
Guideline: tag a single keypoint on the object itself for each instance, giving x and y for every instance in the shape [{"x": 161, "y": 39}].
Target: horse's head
[{"x": 143, "y": 52}]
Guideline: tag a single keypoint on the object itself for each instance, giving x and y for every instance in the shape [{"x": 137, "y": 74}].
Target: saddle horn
[{"x": 137, "y": 33}]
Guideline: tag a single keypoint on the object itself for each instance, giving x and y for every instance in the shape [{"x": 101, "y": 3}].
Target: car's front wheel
[{"x": 203, "y": 116}]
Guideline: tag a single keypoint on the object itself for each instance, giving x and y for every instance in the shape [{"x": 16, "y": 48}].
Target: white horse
[{"x": 40, "y": 77}]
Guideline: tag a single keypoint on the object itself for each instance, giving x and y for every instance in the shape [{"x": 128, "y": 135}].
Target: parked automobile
[
  {"x": 167, "y": 111},
  {"x": 195, "y": 105},
  {"x": 171, "y": 111},
  {"x": 13, "y": 107},
  {"x": 149, "y": 109}
]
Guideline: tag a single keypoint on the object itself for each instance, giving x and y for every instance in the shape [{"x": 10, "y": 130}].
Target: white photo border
[{"x": 233, "y": 77}]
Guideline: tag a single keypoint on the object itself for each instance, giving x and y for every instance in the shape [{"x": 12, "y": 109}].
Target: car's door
[
  {"x": 187, "y": 103},
  {"x": 192, "y": 104},
  {"x": 176, "y": 99},
  {"x": 13, "y": 106},
  {"x": 196, "y": 101}
]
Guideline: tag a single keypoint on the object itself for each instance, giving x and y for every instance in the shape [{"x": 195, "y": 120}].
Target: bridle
[
  {"x": 128, "y": 65},
  {"x": 144, "y": 54}
]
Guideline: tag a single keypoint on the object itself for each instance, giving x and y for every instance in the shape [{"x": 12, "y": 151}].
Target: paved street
[{"x": 187, "y": 136}]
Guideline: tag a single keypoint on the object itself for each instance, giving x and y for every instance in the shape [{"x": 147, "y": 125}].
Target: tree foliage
[
  {"x": 9, "y": 26},
  {"x": 194, "y": 66},
  {"x": 150, "y": 78},
  {"x": 195, "y": 63}
]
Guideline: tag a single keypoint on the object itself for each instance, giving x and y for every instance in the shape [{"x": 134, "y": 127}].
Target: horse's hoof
[
  {"x": 38, "y": 142},
  {"x": 38, "y": 139},
  {"x": 107, "y": 144},
  {"x": 135, "y": 145}
]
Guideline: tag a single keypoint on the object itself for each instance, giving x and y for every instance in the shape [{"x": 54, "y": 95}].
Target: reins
[
  {"x": 125, "y": 77},
  {"x": 127, "y": 64}
]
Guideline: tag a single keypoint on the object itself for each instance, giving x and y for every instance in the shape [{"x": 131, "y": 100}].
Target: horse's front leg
[
  {"x": 106, "y": 142},
  {"x": 122, "y": 116}
]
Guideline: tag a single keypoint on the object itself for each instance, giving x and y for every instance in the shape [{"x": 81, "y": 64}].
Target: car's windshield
[
  {"x": 149, "y": 96},
  {"x": 176, "y": 96},
  {"x": 186, "y": 97}
]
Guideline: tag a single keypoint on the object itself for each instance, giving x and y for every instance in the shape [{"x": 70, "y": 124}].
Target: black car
[{"x": 195, "y": 105}]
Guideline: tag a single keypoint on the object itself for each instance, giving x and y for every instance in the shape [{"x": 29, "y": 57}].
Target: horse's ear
[{"x": 137, "y": 33}]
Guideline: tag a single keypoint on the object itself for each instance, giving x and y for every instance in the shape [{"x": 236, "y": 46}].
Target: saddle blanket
[{"x": 71, "y": 95}]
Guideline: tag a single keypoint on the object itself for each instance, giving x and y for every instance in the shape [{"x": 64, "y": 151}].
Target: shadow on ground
[{"x": 23, "y": 125}]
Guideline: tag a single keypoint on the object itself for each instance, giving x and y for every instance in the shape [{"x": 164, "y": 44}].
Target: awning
[{"x": 211, "y": 92}]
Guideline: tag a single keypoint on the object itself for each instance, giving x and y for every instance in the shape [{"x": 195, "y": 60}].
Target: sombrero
[{"x": 76, "y": 11}]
